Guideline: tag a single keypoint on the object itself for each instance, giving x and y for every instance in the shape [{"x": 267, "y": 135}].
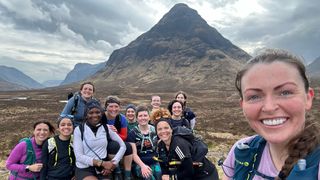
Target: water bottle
[{"x": 302, "y": 163}]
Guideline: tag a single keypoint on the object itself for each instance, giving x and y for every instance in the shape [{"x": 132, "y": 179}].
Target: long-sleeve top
[
  {"x": 18, "y": 155},
  {"x": 123, "y": 133},
  {"x": 65, "y": 162},
  {"x": 86, "y": 150},
  {"x": 181, "y": 150},
  {"x": 80, "y": 109}
]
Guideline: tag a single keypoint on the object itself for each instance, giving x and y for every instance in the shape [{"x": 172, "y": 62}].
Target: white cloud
[
  {"x": 25, "y": 10},
  {"x": 60, "y": 34}
]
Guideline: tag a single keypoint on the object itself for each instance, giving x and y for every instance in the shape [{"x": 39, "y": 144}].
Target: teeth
[{"x": 274, "y": 122}]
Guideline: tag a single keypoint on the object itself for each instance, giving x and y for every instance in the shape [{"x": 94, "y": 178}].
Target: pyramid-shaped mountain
[{"x": 180, "y": 51}]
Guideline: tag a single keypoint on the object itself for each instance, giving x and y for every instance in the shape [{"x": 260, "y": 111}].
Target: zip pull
[{"x": 242, "y": 145}]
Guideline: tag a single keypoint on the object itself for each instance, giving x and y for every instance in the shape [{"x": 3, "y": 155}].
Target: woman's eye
[
  {"x": 253, "y": 97},
  {"x": 286, "y": 93}
]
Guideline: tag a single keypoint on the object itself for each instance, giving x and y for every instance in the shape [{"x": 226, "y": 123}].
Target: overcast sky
[{"x": 46, "y": 38}]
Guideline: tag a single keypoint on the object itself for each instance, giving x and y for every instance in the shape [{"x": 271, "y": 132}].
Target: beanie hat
[
  {"x": 131, "y": 106},
  {"x": 93, "y": 103}
]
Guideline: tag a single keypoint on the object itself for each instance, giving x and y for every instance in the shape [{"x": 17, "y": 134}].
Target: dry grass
[{"x": 220, "y": 120}]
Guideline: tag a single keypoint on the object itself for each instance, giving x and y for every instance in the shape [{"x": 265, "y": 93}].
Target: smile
[{"x": 274, "y": 122}]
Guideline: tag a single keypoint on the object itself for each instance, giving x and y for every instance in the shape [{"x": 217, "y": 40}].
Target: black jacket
[
  {"x": 64, "y": 169},
  {"x": 180, "y": 151}
]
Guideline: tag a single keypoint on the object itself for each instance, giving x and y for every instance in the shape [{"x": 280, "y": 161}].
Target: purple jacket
[{"x": 18, "y": 156}]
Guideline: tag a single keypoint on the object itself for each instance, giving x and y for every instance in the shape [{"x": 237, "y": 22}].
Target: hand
[
  {"x": 35, "y": 167},
  {"x": 165, "y": 177},
  {"x": 146, "y": 171},
  {"x": 113, "y": 128},
  {"x": 108, "y": 167}
]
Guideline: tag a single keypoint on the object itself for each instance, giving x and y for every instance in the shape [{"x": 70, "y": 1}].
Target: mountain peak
[
  {"x": 177, "y": 31},
  {"x": 179, "y": 21}
]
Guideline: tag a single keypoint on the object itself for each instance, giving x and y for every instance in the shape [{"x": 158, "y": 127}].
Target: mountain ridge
[
  {"x": 181, "y": 50},
  {"x": 15, "y": 77}
]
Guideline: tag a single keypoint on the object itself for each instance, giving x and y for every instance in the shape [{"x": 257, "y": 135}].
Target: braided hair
[{"x": 300, "y": 146}]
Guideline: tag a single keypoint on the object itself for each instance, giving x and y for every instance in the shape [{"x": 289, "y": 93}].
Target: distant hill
[
  {"x": 180, "y": 51},
  {"x": 7, "y": 86},
  {"x": 313, "y": 69},
  {"x": 15, "y": 77},
  {"x": 52, "y": 83},
  {"x": 82, "y": 71}
]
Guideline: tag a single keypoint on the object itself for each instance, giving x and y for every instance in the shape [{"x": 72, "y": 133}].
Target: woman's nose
[{"x": 270, "y": 105}]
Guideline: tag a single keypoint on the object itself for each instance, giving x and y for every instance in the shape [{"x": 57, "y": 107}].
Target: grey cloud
[{"x": 293, "y": 25}]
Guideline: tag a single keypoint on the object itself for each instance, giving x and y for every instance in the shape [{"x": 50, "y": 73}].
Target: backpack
[
  {"x": 199, "y": 148},
  {"x": 81, "y": 128},
  {"x": 248, "y": 156},
  {"x": 70, "y": 95},
  {"x": 76, "y": 97},
  {"x": 117, "y": 122},
  {"x": 152, "y": 138},
  {"x": 52, "y": 148},
  {"x": 30, "y": 157}
]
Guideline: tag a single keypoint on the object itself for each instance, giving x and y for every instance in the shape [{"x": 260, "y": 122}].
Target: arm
[
  {"x": 182, "y": 150},
  {"x": 124, "y": 128},
  {"x": 15, "y": 157},
  {"x": 187, "y": 169},
  {"x": 123, "y": 133},
  {"x": 44, "y": 158},
  {"x": 68, "y": 107},
  {"x": 163, "y": 164},
  {"x": 79, "y": 149},
  {"x": 115, "y": 137},
  {"x": 145, "y": 170}
]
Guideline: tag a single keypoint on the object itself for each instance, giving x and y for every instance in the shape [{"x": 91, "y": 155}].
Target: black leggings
[{"x": 113, "y": 148}]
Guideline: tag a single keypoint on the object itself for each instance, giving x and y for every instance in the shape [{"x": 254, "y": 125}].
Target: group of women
[{"x": 274, "y": 96}]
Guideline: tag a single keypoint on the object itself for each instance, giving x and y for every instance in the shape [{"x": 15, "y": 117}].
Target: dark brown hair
[
  {"x": 51, "y": 127},
  {"x": 270, "y": 56},
  {"x": 88, "y": 82},
  {"x": 171, "y": 104},
  {"x": 184, "y": 95},
  {"x": 308, "y": 139}
]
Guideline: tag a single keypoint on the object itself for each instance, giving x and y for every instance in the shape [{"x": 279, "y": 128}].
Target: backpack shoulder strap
[
  {"x": 117, "y": 122},
  {"x": 247, "y": 158},
  {"x": 81, "y": 128},
  {"x": 51, "y": 144},
  {"x": 31, "y": 155},
  {"x": 75, "y": 105},
  {"x": 107, "y": 131}
]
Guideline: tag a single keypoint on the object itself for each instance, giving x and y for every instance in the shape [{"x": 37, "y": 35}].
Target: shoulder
[
  {"x": 22, "y": 145},
  {"x": 123, "y": 120},
  {"x": 181, "y": 142},
  {"x": 152, "y": 128},
  {"x": 122, "y": 117},
  {"x": 246, "y": 140}
]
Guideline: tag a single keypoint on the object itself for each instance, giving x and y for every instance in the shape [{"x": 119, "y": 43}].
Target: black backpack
[
  {"x": 199, "y": 148},
  {"x": 76, "y": 96}
]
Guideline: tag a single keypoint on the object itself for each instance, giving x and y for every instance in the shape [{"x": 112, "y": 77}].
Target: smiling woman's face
[
  {"x": 164, "y": 131},
  {"x": 94, "y": 116},
  {"x": 275, "y": 100}
]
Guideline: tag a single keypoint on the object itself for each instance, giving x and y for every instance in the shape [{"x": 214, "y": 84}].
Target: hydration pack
[
  {"x": 248, "y": 156},
  {"x": 199, "y": 148}
]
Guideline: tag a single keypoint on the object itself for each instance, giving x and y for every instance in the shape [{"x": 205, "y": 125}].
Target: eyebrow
[{"x": 276, "y": 88}]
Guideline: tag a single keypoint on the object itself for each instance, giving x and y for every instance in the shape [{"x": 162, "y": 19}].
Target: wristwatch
[{"x": 27, "y": 168}]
